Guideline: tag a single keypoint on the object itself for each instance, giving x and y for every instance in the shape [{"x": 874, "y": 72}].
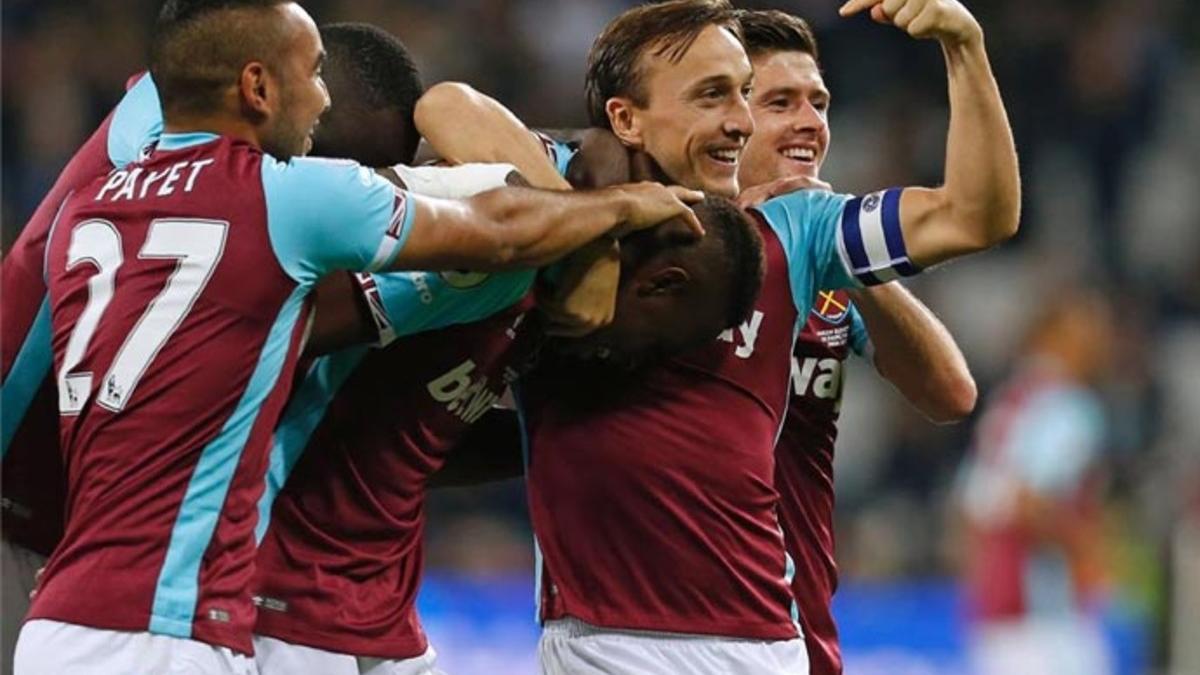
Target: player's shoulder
[
  {"x": 136, "y": 122},
  {"x": 800, "y": 205},
  {"x": 323, "y": 174}
]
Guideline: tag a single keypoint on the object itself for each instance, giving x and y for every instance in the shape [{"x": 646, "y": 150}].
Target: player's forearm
[
  {"x": 535, "y": 228},
  {"x": 915, "y": 352},
  {"x": 982, "y": 184},
  {"x": 464, "y": 125}
]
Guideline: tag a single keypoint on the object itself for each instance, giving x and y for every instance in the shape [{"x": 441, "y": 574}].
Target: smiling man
[
  {"x": 653, "y": 496},
  {"x": 671, "y": 80},
  {"x": 906, "y": 342}
]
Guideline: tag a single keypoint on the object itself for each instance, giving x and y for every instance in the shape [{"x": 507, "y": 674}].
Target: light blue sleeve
[
  {"x": 325, "y": 215},
  {"x": 136, "y": 122},
  {"x": 403, "y": 303},
  {"x": 860, "y": 340},
  {"x": 806, "y": 223},
  {"x": 1057, "y": 438},
  {"x": 560, "y": 153},
  {"x": 839, "y": 241}
]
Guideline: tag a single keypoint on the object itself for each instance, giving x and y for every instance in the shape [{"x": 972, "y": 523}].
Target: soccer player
[
  {"x": 654, "y": 506},
  {"x": 177, "y": 291},
  {"x": 909, "y": 345},
  {"x": 340, "y": 565},
  {"x": 1031, "y": 500},
  {"x": 377, "y": 86}
]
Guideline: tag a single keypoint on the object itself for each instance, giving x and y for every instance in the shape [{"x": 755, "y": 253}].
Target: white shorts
[
  {"x": 572, "y": 647},
  {"x": 1063, "y": 645},
  {"x": 276, "y": 657},
  {"x": 18, "y": 575},
  {"x": 56, "y": 648}
]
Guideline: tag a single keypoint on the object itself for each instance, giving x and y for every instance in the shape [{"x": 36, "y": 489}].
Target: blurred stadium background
[{"x": 1104, "y": 96}]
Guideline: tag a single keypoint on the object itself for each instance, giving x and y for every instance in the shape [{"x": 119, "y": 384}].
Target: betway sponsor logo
[
  {"x": 747, "y": 335},
  {"x": 465, "y": 396},
  {"x": 820, "y": 378}
]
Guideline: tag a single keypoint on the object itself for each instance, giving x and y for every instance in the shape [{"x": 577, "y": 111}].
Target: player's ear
[
  {"x": 626, "y": 125},
  {"x": 666, "y": 281},
  {"x": 256, "y": 89}
]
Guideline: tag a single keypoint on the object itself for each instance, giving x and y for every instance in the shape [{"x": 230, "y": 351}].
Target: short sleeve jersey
[
  {"x": 653, "y": 501},
  {"x": 178, "y": 292},
  {"x": 340, "y": 562}
]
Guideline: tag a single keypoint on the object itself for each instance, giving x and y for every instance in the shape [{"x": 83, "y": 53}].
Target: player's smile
[
  {"x": 804, "y": 154},
  {"x": 725, "y": 156}
]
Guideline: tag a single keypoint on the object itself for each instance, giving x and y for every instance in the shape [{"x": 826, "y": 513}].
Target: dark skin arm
[{"x": 490, "y": 452}]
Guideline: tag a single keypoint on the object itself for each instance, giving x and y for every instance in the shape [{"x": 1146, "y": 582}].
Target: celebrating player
[
  {"x": 366, "y": 66},
  {"x": 655, "y": 509},
  {"x": 177, "y": 291},
  {"x": 910, "y": 346}
]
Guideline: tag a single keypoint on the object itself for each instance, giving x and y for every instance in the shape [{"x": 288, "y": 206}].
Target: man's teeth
[
  {"x": 803, "y": 154},
  {"x": 730, "y": 156}
]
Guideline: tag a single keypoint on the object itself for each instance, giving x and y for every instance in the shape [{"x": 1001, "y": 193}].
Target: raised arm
[
  {"x": 464, "y": 125},
  {"x": 512, "y": 228},
  {"x": 979, "y": 204},
  {"x": 915, "y": 352}
]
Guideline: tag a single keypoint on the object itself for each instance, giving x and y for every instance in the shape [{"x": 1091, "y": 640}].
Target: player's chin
[{"x": 723, "y": 183}]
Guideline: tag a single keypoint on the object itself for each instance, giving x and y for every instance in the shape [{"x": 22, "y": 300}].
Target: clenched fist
[{"x": 944, "y": 20}]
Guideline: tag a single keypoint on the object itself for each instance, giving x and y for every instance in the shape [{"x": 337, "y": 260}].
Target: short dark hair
[
  {"x": 742, "y": 245},
  {"x": 669, "y": 28},
  {"x": 200, "y": 46},
  {"x": 771, "y": 30},
  {"x": 383, "y": 72}
]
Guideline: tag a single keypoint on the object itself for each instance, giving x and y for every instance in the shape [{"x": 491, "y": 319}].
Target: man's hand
[
  {"x": 946, "y": 21},
  {"x": 760, "y": 193},
  {"x": 585, "y": 298},
  {"x": 648, "y": 204}
]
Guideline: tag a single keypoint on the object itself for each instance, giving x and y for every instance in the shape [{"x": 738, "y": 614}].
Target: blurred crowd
[{"x": 1104, "y": 96}]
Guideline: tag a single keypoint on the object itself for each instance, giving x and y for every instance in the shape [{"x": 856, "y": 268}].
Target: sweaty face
[
  {"x": 791, "y": 131},
  {"x": 302, "y": 94},
  {"x": 696, "y": 121}
]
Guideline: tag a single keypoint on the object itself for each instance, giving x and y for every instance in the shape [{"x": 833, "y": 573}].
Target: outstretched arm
[
  {"x": 511, "y": 228},
  {"x": 979, "y": 204},
  {"x": 915, "y": 352}
]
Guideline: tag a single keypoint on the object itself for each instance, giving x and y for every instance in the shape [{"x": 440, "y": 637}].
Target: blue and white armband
[{"x": 871, "y": 241}]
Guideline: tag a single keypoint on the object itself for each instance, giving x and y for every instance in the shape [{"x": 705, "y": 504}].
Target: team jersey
[
  {"x": 804, "y": 467},
  {"x": 178, "y": 305},
  {"x": 340, "y": 564},
  {"x": 1041, "y": 434},
  {"x": 653, "y": 501},
  {"x": 34, "y": 484}
]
